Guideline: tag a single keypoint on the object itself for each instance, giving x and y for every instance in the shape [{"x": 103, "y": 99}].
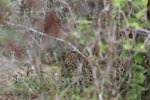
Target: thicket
[{"x": 95, "y": 50}]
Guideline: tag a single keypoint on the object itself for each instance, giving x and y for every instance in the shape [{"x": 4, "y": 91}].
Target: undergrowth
[{"x": 109, "y": 49}]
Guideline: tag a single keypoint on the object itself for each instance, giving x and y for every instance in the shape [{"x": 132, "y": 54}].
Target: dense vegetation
[{"x": 74, "y": 50}]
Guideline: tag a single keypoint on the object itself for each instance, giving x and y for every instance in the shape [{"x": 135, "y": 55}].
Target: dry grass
[{"x": 107, "y": 42}]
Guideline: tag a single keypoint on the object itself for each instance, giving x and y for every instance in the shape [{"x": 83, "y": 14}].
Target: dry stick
[
  {"x": 37, "y": 66},
  {"x": 43, "y": 34}
]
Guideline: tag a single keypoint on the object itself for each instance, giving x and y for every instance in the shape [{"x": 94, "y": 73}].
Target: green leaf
[
  {"x": 132, "y": 94},
  {"x": 144, "y": 2},
  {"x": 135, "y": 25},
  {"x": 103, "y": 48},
  {"x": 138, "y": 59},
  {"x": 128, "y": 45},
  {"x": 139, "y": 68},
  {"x": 84, "y": 22},
  {"x": 140, "y": 78},
  {"x": 123, "y": 55},
  {"x": 117, "y": 3},
  {"x": 141, "y": 88},
  {"x": 89, "y": 39},
  {"x": 82, "y": 42},
  {"x": 132, "y": 84},
  {"x": 140, "y": 13},
  {"x": 140, "y": 47},
  {"x": 120, "y": 4}
]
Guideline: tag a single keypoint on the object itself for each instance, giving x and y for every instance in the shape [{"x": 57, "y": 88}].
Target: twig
[{"x": 43, "y": 34}]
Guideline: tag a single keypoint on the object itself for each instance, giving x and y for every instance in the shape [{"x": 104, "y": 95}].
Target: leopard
[{"x": 77, "y": 69}]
